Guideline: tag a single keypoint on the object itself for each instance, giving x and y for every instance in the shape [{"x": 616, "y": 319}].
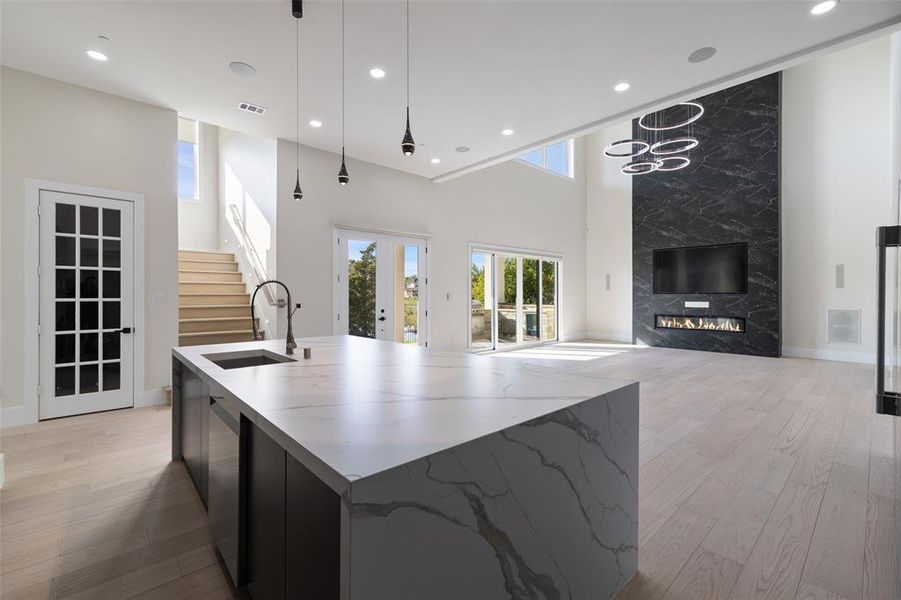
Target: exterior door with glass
[
  {"x": 86, "y": 311},
  {"x": 380, "y": 286}
]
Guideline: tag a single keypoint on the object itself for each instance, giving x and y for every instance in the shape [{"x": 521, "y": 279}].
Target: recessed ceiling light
[
  {"x": 436, "y": 160},
  {"x": 622, "y": 86},
  {"x": 97, "y": 55},
  {"x": 462, "y": 149},
  {"x": 315, "y": 123},
  {"x": 702, "y": 54},
  {"x": 507, "y": 132},
  {"x": 243, "y": 69},
  {"x": 823, "y": 7},
  {"x": 377, "y": 73}
]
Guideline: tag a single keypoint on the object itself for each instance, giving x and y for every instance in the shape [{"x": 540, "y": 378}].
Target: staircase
[{"x": 213, "y": 303}]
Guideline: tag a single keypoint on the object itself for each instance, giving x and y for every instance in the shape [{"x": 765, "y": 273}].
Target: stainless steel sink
[{"x": 246, "y": 358}]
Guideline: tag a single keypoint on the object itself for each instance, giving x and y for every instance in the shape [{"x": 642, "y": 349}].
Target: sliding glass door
[{"x": 513, "y": 299}]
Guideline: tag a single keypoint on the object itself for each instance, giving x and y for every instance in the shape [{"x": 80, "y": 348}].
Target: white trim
[
  {"x": 150, "y": 398},
  {"x": 12, "y": 416},
  {"x": 345, "y": 226},
  {"x": 833, "y": 355},
  {"x": 31, "y": 285},
  {"x": 609, "y": 337}
]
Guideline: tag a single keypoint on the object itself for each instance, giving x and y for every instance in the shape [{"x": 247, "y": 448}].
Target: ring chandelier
[{"x": 662, "y": 153}]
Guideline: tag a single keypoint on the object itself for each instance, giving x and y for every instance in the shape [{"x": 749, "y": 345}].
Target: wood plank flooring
[{"x": 760, "y": 478}]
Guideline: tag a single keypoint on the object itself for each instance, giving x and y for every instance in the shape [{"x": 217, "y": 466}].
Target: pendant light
[
  {"x": 408, "y": 146},
  {"x": 297, "y": 12},
  {"x": 343, "y": 177}
]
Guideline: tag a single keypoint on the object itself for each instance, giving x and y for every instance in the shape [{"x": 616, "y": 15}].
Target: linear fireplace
[{"x": 727, "y": 324}]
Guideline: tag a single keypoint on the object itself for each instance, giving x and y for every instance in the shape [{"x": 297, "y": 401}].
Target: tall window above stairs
[{"x": 188, "y": 161}]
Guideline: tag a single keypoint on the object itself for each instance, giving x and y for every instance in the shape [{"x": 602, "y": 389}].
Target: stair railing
[{"x": 250, "y": 252}]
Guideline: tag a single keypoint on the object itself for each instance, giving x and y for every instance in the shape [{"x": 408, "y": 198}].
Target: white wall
[
  {"x": 836, "y": 189},
  {"x": 609, "y": 239},
  {"x": 65, "y": 133},
  {"x": 510, "y": 204},
  {"x": 198, "y": 222},
  {"x": 247, "y": 175}
]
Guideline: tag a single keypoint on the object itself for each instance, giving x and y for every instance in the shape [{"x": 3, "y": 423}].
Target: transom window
[
  {"x": 514, "y": 299},
  {"x": 556, "y": 158},
  {"x": 188, "y": 161}
]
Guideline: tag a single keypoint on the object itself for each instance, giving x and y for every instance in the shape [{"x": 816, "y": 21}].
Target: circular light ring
[
  {"x": 643, "y": 147},
  {"x": 640, "y": 167},
  {"x": 682, "y": 144},
  {"x": 680, "y": 163},
  {"x": 688, "y": 121}
]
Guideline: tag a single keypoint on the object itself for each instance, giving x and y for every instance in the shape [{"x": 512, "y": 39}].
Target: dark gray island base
[{"x": 379, "y": 471}]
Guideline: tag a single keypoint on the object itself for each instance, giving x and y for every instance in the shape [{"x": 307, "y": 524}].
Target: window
[
  {"x": 188, "y": 161},
  {"x": 556, "y": 158},
  {"x": 513, "y": 299}
]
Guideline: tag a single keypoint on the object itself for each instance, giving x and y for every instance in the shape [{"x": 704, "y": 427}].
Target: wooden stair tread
[
  {"x": 215, "y": 305},
  {"x": 225, "y": 332},
  {"x": 212, "y": 319}
]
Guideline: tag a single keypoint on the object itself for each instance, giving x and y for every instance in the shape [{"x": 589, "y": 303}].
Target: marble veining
[
  {"x": 360, "y": 407},
  {"x": 546, "y": 509},
  {"x": 729, "y": 193}
]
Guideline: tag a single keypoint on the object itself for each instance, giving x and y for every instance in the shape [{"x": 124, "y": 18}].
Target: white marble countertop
[{"x": 362, "y": 406}]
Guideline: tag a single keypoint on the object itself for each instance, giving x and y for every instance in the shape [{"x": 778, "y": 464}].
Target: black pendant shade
[
  {"x": 408, "y": 146},
  {"x": 298, "y": 193},
  {"x": 343, "y": 177}
]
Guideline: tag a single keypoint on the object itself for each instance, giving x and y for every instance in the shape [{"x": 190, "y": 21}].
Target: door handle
[
  {"x": 382, "y": 318},
  {"x": 126, "y": 330}
]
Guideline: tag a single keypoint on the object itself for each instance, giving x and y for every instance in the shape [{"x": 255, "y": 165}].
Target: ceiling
[{"x": 541, "y": 68}]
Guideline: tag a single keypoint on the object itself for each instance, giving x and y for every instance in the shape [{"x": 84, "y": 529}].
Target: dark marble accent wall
[{"x": 729, "y": 193}]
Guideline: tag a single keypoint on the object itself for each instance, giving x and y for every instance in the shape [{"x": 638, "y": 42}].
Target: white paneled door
[{"x": 86, "y": 304}]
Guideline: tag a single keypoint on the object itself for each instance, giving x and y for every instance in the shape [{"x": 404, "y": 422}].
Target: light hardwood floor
[{"x": 760, "y": 478}]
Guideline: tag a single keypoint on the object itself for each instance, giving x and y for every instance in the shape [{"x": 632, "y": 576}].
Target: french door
[
  {"x": 86, "y": 304},
  {"x": 381, "y": 286}
]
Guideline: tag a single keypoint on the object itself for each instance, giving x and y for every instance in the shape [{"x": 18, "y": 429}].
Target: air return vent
[
  {"x": 843, "y": 326},
  {"x": 252, "y": 108}
]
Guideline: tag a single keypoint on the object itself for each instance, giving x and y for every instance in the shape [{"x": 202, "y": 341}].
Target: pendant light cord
[
  {"x": 297, "y": 97},
  {"x": 408, "y": 55},
  {"x": 342, "y": 80}
]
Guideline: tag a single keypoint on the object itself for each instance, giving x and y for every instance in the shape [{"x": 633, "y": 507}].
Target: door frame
[
  {"x": 342, "y": 229},
  {"x": 31, "y": 285}
]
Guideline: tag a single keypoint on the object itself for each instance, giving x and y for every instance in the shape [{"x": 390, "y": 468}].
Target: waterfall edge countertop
[{"x": 360, "y": 407}]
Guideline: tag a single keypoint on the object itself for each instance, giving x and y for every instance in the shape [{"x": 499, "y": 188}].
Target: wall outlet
[{"x": 158, "y": 299}]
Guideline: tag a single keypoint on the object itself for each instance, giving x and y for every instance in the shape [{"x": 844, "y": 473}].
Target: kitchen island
[{"x": 376, "y": 470}]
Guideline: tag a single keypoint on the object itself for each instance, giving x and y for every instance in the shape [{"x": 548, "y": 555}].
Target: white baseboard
[
  {"x": 610, "y": 337},
  {"x": 824, "y": 354},
  {"x": 12, "y": 416},
  {"x": 150, "y": 398}
]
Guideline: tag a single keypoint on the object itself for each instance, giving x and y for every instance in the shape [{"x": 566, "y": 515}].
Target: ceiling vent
[{"x": 252, "y": 108}]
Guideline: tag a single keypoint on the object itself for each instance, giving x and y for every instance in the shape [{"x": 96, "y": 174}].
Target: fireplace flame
[{"x": 701, "y": 323}]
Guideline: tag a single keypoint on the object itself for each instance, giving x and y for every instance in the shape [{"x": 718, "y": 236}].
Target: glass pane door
[
  {"x": 381, "y": 287},
  {"x": 514, "y": 300},
  {"x": 86, "y": 293},
  {"x": 361, "y": 287},
  {"x": 481, "y": 320}
]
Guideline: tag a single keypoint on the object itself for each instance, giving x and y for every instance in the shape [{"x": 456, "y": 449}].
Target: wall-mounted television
[{"x": 720, "y": 269}]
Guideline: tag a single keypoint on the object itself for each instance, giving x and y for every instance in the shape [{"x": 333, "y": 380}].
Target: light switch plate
[{"x": 158, "y": 299}]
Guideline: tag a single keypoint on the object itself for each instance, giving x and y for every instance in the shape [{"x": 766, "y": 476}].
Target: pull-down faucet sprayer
[{"x": 290, "y": 344}]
